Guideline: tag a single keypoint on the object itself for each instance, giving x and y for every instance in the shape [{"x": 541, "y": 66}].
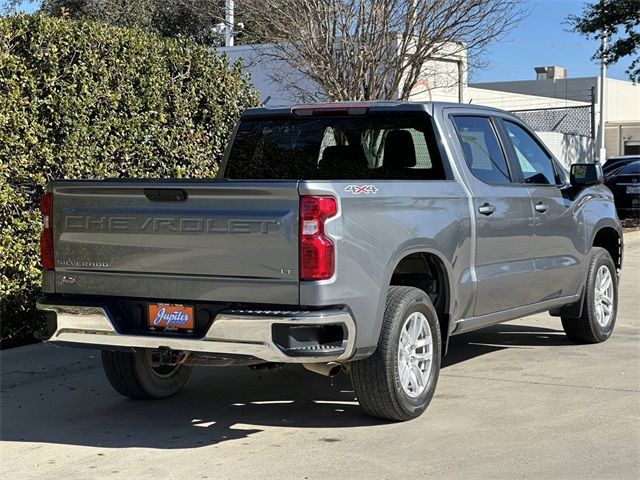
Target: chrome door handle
[
  {"x": 541, "y": 207},
  {"x": 486, "y": 209}
]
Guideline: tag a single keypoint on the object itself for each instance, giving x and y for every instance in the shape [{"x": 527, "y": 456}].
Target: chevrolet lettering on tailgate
[{"x": 169, "y": 224}]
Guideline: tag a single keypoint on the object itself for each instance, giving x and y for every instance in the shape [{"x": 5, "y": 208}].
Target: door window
[
  {"x": 534, "y": 161},
  {"x": 482, "y": 150}
]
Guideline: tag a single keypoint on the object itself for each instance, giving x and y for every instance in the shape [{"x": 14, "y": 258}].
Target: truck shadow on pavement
[
  {"x": 76, "y": 406},
  {"x": 498, "y": 337}
]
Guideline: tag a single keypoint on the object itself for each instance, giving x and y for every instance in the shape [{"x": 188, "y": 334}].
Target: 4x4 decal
[{"x": 359, "y": 189}]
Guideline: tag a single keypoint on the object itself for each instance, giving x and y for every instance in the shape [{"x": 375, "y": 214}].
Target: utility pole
[
  {"x": 228, "y": 19},
  {"x": 602, "y": 157},
  {"x": 592, "y": 96}
]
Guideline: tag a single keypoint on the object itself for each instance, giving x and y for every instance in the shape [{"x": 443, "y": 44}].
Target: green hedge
[{"x": 83, "y": 100}]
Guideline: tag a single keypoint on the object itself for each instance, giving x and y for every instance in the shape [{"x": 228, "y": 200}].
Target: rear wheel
[
  {"x": 398, "y": 381},
  {"x": 599, "y": 310},
  {"x": 134, "y": 375}
]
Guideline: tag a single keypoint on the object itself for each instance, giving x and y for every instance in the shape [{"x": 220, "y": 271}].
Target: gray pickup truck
[{"x": 345, "y": 236}]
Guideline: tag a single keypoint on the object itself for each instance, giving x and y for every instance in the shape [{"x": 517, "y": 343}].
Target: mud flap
[{"x": 573, "y": 310}]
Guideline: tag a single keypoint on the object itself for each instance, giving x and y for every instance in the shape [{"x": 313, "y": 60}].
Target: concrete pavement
[{"x": 514, "y": 401}]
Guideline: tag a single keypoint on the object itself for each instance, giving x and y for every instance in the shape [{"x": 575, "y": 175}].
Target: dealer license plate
[
  {"x": 170, "y": 317},
  {"x": 634, "y": 189}
]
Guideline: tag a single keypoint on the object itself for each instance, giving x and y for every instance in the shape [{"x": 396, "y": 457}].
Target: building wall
[
  {"x": 568, "y": 148},
  {"x": 439, "y": 82},
  {"x": 577, "y": 89},
  {"x": 622, "y": 101},
  {"x": 443, "y": 79},
  {"x": 516, "y": 101},
  {"x": 278, "y": 80},
  {"x": 622, "y": 98},
  {"x": 621, "y": 135},
  {"x": 622, "y": 104},
  {"x": 272, "y": 78}
]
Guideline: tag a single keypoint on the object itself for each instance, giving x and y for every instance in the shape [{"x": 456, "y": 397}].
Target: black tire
[
  {"x": 131, "y": 374},
  {"x": 376, "y": 379},
  {"x": 586, "y": 328}
]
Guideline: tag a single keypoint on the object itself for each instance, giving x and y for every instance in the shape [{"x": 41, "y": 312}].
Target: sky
[{"x": 542, "y": 39}]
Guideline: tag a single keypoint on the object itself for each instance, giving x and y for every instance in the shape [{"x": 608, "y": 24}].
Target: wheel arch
[
  {"x": 609, "y": 238},
  {"x": 424, "y": 267},
  {"x": 608, "y": 235}
]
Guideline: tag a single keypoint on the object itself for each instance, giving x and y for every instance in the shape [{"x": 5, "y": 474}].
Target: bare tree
[{"x": 374, "y": 49}]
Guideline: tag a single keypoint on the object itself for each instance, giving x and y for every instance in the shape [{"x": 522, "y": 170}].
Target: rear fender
[{"x": 418, "y": 246}]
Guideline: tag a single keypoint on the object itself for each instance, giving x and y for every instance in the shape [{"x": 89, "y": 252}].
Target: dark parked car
[{"x": 622, "y": 176}]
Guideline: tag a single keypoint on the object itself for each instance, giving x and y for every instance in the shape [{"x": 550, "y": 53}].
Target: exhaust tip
[{"x": 330, "y": 369}]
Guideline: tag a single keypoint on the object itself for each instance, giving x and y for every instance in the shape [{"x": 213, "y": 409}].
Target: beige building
[
  {"x": 622, "y": 102},
  {"x": 622, "y": 138}
]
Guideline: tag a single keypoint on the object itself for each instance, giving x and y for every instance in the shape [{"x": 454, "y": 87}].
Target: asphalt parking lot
[{"x": 514, "y": 401}]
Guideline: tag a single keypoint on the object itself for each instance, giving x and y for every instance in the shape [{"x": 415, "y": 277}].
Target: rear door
[
  {"x": 504, "y": 219},
  {"x": 192, "y": 240},
  {"x": 558, "y": 228}
]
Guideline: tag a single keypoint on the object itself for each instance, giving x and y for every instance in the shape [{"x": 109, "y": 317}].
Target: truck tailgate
[{"x": 217, "y": 240}]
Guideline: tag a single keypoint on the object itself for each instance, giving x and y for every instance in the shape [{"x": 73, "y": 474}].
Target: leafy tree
[
  {"x": 618, "y": 21},
  {"x": 168, "y": 18},
  {"x": 82, "y": 99},
  {"x": 192, "y": 19}
]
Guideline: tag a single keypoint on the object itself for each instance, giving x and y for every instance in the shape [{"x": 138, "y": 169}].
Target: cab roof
[{"x": 360, "y": 108}]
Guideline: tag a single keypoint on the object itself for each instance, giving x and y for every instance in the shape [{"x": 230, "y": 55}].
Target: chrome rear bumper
[{"x": 247, "y": 333}]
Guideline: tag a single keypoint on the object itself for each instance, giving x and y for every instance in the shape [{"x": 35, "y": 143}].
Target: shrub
[{"x": 80, "y": 99}]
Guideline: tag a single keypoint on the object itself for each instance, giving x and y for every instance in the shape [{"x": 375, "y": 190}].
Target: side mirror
[{"x": 585, "y": 174}]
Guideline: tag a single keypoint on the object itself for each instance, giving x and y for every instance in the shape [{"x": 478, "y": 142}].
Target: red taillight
[
  {"x": 316, "y": 249},
  {"x": 46, "y": 239}
]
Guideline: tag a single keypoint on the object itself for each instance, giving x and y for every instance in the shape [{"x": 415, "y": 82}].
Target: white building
[{"x": 443, "y": 78}]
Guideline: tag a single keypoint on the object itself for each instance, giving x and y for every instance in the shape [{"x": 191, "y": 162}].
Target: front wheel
[
  {"x": 134, "y": 375},
  {"x": 600, "y": 306},
  {"x": 398, "y": 381}
]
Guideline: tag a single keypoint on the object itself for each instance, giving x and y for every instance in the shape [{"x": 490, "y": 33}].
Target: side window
[
  {"x": 535, "y": 162},
  {"x": 482, "y": 150}
]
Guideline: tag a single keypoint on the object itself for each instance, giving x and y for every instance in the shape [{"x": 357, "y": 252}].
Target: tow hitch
[{"x": 166, "y": 356}]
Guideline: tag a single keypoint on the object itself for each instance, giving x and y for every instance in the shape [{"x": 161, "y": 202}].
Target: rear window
[
  {"x": 335, "y": 148},
  {"x": 631, "y": 168},
  {"x": 614, "y": 165}
]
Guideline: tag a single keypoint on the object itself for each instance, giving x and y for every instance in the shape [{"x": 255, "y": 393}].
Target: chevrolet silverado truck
[{"x": 346, "y": 236}]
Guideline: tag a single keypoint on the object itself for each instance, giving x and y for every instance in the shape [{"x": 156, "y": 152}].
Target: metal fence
[{"x": 570, "y": 120}]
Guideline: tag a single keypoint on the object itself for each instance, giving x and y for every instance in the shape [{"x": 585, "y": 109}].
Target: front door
[{"x": 558, "y": 238}]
